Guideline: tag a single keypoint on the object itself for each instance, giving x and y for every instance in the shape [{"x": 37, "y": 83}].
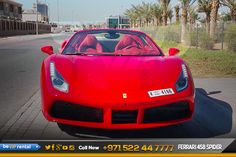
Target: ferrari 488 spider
[{"x": 115, "y": 79}]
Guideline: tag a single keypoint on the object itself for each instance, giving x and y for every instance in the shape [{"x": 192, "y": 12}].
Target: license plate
[{"x": 161, "y": 92}]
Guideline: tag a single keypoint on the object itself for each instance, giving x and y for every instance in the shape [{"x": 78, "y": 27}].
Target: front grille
[
  {"x": 77, "y": 112},
  {"x": 124, "y": 117},
  {"x": 168, "y": 112}
]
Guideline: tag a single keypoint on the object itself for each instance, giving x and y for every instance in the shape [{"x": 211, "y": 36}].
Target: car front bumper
[{"x": 156, "y": 114}]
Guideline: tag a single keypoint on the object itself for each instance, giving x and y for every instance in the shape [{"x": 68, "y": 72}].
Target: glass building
[
  {"x": 43, "y": 9},
  {"x": 118, "y": 22}
]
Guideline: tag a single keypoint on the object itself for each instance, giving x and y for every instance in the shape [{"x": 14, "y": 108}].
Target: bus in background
[{"x": 117, "y": 22}]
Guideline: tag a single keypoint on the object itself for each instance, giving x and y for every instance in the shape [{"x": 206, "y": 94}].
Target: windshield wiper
[
  {"x": 77, "y": 53},
  {"x": 93, "y": 54},
  {"x": 105, "y": 54},
  {"x": 149, "y": 55},
  {"x": 109, "y": 54}
]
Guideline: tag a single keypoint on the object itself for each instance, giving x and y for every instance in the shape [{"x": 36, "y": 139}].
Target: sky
[{"x": 86, "y": 11}]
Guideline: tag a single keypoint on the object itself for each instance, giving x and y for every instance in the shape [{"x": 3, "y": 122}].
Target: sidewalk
[
  {"x": 29, "y": 123},
  {"x": 27, "y": 37}
]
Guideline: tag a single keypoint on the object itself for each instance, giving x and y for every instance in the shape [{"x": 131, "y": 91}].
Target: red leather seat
[
  {"x": 125, "y": 42},
  {"x": 90, "y": 44},
  {"x": 139, "y": 41}
]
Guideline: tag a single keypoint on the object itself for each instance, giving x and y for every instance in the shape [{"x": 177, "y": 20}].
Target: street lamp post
[
  {"x": 37, "y": 22},
  {"x": 58, "y": 16}
]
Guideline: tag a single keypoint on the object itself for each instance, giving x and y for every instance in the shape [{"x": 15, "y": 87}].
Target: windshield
[{"x": 111, "y": 42}]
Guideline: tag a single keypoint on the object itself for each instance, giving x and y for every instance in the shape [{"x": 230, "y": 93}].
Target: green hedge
[{"x": 230, "y": 37}]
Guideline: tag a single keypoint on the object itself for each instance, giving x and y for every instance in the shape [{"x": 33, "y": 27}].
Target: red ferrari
[{"x": 115, "y": 79}]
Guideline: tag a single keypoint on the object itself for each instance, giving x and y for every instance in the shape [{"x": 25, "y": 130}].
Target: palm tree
[
  {"x": 231, "y": 4},
  {"x": 226, "y": 17},
  {"x": 177, "y": 8},
  {"x": 138, "y": 12},
  {"x": 214, "y": 12},
  {"x": 170, "y": 14},
  {"x": 185, "y": 4},
  {"x": 156, "y": 12},
  {"x": 146, "y": 12},
  {"x": 205, "y": 7},
  {"x": 193, "y": 16},
  {"x": 165, "y": 5},
  {"x": 132, "y": 16}
]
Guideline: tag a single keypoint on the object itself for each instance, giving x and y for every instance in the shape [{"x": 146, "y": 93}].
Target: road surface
[{"x": 21, "y": 118}]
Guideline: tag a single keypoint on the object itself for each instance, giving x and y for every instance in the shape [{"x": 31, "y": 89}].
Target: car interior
[{"x": 92, "y": 44}]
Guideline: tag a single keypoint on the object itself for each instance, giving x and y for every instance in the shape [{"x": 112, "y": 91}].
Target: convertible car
[{"x": 115, "y": 79}]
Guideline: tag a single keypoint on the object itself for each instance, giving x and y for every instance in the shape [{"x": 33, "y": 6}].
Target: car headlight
[
  {"x": 182, "y": 82},
  {"x": 58, "y": 81}
]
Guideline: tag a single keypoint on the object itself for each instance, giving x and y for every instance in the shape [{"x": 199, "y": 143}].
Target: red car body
[{"x": 115, "y": 92}]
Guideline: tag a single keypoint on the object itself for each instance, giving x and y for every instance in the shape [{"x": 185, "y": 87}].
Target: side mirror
[
  {"x": 173, "y": 51},
  {"x": 63, "y": 44},
  {"x": 47, "y": 49}
]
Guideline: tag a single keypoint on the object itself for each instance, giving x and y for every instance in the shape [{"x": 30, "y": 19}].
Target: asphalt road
[
  {"x": 21, "y": 118},
  {"x": 20, "y": 62}
]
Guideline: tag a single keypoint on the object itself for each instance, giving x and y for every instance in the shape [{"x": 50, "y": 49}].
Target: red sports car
[{"x": 115, "y": 79}]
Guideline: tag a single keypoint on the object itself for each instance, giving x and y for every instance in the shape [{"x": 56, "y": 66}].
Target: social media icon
[{"x": 48, "y": 147}]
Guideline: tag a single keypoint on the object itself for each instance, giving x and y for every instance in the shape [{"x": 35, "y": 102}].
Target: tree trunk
[
  {"x": 133, "y": 24},
  {"x": 233, "y": 15},
  {"x": 184, "y": 25},
  {"x": 208, "y": 18},
  {"x": 214, "y": 12},
  {"x": 157, "y": 22},
  {"x": 165, "y": 18},
  {"x": 177, "y": 17},
  {"x": 160, "y": 20},
  {"x": 190, "y": 24},
  {"x": 147, "y": 22}
]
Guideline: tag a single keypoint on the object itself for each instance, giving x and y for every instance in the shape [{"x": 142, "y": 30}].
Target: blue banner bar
[{"x": 19, "y": 147}]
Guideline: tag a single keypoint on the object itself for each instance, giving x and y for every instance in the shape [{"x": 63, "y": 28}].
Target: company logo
[
  {"x": 124, "y": 95},
  {"x": 19, "y": 147},
  {"x": 59, "y": 147}
]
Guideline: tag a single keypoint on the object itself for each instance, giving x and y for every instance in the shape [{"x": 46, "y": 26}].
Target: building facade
[
  {"x": 117, "y": 22},
  {"x": 30, "y": 15},
  {"x": 43, "y": 9},
  {"x": 11, "y": 20},
  {"x": 10, "y": 9}
]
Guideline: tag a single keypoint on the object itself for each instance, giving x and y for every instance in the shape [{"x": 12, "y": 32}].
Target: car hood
[{"x": 107, "y": 79}]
